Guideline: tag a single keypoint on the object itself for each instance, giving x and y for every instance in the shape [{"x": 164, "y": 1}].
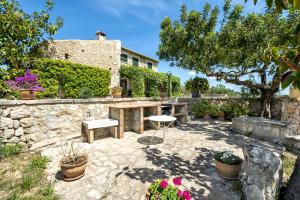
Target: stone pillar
[{"x": 262, "y": 173}]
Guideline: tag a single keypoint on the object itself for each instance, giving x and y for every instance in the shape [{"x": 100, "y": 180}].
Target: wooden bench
[{"x": 89, "y": 127}]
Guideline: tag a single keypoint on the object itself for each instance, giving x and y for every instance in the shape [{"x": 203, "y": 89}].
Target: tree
[
  {"x": 197, "y": 85},
  {"x": 222, "y": 89},
  {"x": 281, "y": 4},
  {"x": 22, "y": 34},
  {"x": 240, "y": 49}
]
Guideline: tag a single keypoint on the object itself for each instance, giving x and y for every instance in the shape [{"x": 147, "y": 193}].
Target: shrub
[
  {"x": 197, "y": 84},
  {"x": 86, "y": 93},
  {"x": 204, "y": 107},
  {"x": 232, "y": 110},
  {"x": 141, "y": 77}
]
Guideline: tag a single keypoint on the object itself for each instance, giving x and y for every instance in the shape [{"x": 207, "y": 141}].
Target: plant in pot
[
  {"x": 228, "y": 165},
  {"x": 197, "y": 85},
  {"x": 27, "y": 85},
  {"x": 73, "y": 164},
  {"x": 204, "y": 109},
  {"x": 163, "y": 189},
  {"x": 117, "y": 92}
]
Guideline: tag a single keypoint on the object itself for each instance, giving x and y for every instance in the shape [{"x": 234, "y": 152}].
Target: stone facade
[
  {"x": 290, "y": 110},
  {"x": 143, "y": 60},
  {"x": 99, "y": 53}
]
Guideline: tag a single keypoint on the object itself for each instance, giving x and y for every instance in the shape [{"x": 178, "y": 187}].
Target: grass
[
  {"x": 7, "y": 151},
  {"x": 23, "y": 177}
]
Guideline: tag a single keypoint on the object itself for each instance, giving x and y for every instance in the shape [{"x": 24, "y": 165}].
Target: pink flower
[
  {"x": 163, "y": 184},
  {"x": 186, "y": 195},
  {"x": 177, "y": 181},
  {"x": 179, "y": 193}
]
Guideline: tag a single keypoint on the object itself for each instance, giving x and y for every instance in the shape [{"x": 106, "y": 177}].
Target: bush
[
  {"x": 233, "y": 110},
  {"x": 140, "y": 77},
  {"x": 197, "y": 84},
  {"x": 204, "y": 107},
  {"x": 71, "y": 78},
  {"x": 86, "y": 93}
]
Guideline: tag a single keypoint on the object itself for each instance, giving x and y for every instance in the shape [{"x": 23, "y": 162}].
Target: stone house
[{"x": 100, "y": 52}]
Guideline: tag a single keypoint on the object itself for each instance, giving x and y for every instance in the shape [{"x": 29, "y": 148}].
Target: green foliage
[
  {"x": 228, "y": 158},
  {"x": 10, "y": 150},
  {"x": 239, "y": 50},
  {"x": 202, "y": 108},
  {"x": 86, "y": 93},
  {"x": 156, "y": 81},
  {"x": 71, "y": 78},
  {"x": 232, "y": 110},
  {"x": 221, "y": 89},
  {"x": 22, "y": 34},
  {"x": 165, "y": 194},
  {"x": 197, "y": 84},
  {"x": 39, "y": 163},
  {"x": 281, "y": 4}
]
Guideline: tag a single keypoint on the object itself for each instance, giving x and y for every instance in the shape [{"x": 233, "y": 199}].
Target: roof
[{"x": 138, "y": 54}]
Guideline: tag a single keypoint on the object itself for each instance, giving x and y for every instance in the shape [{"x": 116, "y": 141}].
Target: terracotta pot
[
  {"x": 294, "y": 93},
  {"x": 27, "y": 94},
  {"x": 73, "y": 172},
  {"x": 228, "y": 171},
  {"x": 116, "y": 94},
  {"x": 221, "y": 116},
  {"x": 206, "y": 117}
]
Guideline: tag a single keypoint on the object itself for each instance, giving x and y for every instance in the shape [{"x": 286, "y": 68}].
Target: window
[
  {"x": 124, "y": 58},
  {"x": 67, "y": 56},
  {"x": 149, "y": 65},
  {"x": 135, "y": 62}
]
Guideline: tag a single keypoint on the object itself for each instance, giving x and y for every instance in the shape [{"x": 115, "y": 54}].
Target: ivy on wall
[
  {"x": 61, "y": 79},
  {"x": 156, "y": 82}
]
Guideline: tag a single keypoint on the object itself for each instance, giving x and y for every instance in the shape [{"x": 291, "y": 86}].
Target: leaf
[
  {"x": 278, "y": 5},
  {"x": 254, "y": 1},
  {"x": 297, "y": 4},
  {"x": 269, "y": 3},
  {"x": 288, "y": 81}
]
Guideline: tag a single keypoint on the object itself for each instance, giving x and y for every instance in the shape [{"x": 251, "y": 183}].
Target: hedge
[
  {"x": 138, "y": 76},
  {"x": 70, "y": 77}
]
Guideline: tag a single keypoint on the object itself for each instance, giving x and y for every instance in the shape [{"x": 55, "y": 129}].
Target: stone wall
[
  {"x": 290, "y": 110},
  {"x": 100, "y": 53},
  {"x": 38, "y": 123}
]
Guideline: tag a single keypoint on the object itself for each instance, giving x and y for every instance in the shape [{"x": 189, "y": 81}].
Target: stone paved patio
[{"x": 123, "y": 169}]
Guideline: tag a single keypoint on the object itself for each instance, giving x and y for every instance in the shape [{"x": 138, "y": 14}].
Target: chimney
[{"x": 100, "y": 35}]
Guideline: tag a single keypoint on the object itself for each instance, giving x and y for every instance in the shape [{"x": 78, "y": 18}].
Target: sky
[{"x": 135, "y": 22}]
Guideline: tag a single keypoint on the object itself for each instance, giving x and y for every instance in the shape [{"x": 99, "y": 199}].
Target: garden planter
[
  {"x": 73, "y": 172},
  {"x": 117, "y": 92},
  {"x": 195, "y": 95},
  {"x": 206, "y": 117},
  {"x": 295, "y": 93},
  {"x": 228, "y": 171},
  {"x": 27, "y": 94},
  {"x": 221, "y": 116}
]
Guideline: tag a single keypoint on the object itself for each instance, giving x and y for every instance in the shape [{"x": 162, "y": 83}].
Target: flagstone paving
[{"x": 123, "y": 169}]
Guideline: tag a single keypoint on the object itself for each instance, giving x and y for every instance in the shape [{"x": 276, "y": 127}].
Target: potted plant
[
  {"x": 117, "y": 92},
  {"x": 163, "y": 189},
  {"x": 197, "y": 85},
  {"x": 27, "y": 85},
  {"x": 73, "y": 164},
  {"x": 228, "y": 165},
  {"x": 221, "y": 115}
]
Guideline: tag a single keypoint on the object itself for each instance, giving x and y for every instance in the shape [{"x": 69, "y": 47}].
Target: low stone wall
[
  {"x": 278, "y": 132},
  {"x": 38, "y": 123}
]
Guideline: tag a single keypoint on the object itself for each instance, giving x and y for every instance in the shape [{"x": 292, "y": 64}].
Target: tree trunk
[{"x": 266, "y": 98}]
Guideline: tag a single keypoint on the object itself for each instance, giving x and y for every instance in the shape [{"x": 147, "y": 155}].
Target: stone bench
[
  {"x": 90, "y": 125},
  {"x": 278, "y": 132}
]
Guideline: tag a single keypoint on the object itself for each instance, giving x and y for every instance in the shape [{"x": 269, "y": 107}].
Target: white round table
[{"x": 166, "y": 120}]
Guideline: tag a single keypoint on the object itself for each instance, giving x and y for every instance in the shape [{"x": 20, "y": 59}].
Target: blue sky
[{"x": 135, "y": 22}]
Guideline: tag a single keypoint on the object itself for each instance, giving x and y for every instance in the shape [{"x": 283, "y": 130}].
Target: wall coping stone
[
  {"x": 263, "y": 121},
  {"x": 4, "y": 102}
]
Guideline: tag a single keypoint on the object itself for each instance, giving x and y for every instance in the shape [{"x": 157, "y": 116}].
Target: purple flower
[
  {"x": 163, "y": 184},
  {"x": 179, "y": 193},
  {"x": 186, "y": 195},
  {"x": 28, "y": 82},
  {"x": 177, "y": 181}
]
